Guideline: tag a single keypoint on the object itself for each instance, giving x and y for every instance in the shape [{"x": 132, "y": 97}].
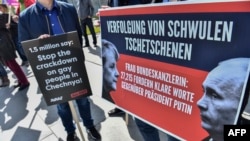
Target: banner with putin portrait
[{"x": 166, "y": 52}]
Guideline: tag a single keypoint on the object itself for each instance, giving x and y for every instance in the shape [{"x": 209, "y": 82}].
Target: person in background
[
  {"x": 3, "y": 73},
  {"x": 14, "y": 31},
  {"x": 12, "y": 26},
  {"x": 50, "y": 18},
  {"x": 86, "y": 12},
  {"x": 8, "y": 52},
  {"x": 14, "y": 34},
  {"x": 222, "y": 91}
]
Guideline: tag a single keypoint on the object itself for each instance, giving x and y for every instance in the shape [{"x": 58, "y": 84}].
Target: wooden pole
[
  {"x": 126, "y": 118},
  {"x": 75, "y": 117},
  {"x": 9, "y": 12}
]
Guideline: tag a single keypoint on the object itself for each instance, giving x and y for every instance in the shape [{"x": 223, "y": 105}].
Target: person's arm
[
  {"x": 13, "y": 22},
  {"x": 23, "y": 31}
]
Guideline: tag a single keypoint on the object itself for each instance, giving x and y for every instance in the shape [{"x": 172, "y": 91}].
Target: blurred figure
[
  {"x": 8, "y": 53},
  {"x": 14, "y": 34},
  {"x": 86, "y": 12}
]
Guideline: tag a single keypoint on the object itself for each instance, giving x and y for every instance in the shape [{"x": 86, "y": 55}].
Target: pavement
[{"x": 24, "y": 115}]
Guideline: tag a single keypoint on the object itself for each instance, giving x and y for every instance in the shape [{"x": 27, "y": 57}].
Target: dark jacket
[
  {"x": 7, "y": 47},
  {"x": 33, "y": 23},
  {"x": 85, "y": 9},
  {"x": 13, "y": 29}
]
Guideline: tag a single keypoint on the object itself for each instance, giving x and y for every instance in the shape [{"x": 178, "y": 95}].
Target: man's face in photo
[{"x": 220, "y": 101}]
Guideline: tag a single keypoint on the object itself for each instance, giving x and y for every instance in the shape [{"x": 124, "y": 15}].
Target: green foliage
[{"x": 97, "y": 29}]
